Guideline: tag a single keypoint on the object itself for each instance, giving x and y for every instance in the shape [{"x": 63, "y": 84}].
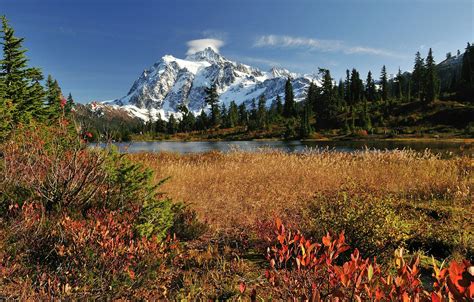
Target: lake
[{"x": 443, "y": 147}]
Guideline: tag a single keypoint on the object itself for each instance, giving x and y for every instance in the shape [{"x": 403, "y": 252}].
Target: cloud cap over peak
[{"x": 201, "y": 44}]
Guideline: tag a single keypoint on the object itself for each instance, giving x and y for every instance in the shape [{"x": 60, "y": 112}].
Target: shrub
[{"x": 371, "y": 224}]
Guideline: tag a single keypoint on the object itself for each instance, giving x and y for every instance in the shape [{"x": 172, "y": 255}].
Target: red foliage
[{"x": 301, "y": 268}]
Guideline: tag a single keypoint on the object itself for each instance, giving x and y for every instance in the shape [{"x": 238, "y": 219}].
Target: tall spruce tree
[
  {"x": 279, "y": 105},
  {"x": 212, "y": 99},
  {"x": 261, "y": 116},
  {"x": 243, "y": 115},
  {"x": 467, "y": 74},
  {"x": 233, "y": 114},
  {"x": 417, "y": 77},
  {"x": 53, "y": 99},
  {"x": 289, "y": 108},
  {"x": 431, "y": 79},
  {"x": 399, "y": 85},
  {"x": 21, "y": 83},
  {"x": 384, "y": 86},
  {"x": 305, "y": 125}
]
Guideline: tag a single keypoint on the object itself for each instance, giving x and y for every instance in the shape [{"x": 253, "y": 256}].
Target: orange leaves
[{"x": 308, "y": 269}]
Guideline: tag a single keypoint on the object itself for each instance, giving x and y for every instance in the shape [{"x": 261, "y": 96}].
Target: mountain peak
[{"x": 208, "y": 54}]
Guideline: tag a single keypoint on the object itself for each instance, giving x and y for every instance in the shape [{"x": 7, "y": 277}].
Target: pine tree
[
  {"x": 261, "y": 117},
  {"x": 370, "y": 88},
  {"x": 384, "y": 86},
  {"x": 399, "y": 84},
  {"x": 418, "y": 75},
  {"x": 188, "y": 120},
  {"x": 53, "y": 99},
  {"x": 212, "y": 99},
  {"x": 224, "y": 117},
  {"x": 326, "y": 108},
  {"x": 69, "y": 104},
  {"x": 21, "y": 84},
  {"x": 431, "y": 79},
  {"x": 172, "y": 126},
  {"x": 305, "y": 125},
  {"x": 160, "y": 124},
  {"x": 233, "y": 114},
  {"x": 243, "y": 115},
  {"x": 202, "y": 121},
  {"x": 6, "y": 118},
  {"x": 289, "y": 108},
  {"x": 467, "y": 73},
  {"x": 279, "y": 106}
]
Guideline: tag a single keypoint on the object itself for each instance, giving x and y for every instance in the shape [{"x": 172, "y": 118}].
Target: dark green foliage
[
  {"x": 261, "y": 114},
  {"x": 399, "y": 85},
  {"x": 466, "y": 87},
  {"x": 202, "y": 121},
  {"x": 53, "y": 99},
  {"x": 160, "y": 124},
  {"x": 20, "y": 82},
  {"x": 384, "y": 85},
  {"x": 431, "y": 79},
  {"x": 305, "y": 125},
  {"x": 212, "y": 100},
  {"x": 233, "y": 116},
  {"x": 188, "y": 121},
  {"x": 279, "y": 106},
  {"x": 289, "y": 108},
  {"x": 243, "y": 115},
  {"x": 172, "y": 126},
  {"x": 325, "y": 100},
  {"x": 418, "y": 76}
]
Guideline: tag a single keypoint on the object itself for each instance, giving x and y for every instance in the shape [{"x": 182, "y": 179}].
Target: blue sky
[{"x": 97, "y": 48}]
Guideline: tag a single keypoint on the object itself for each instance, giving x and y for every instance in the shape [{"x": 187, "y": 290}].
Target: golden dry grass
[{"x": 236, "y": 188}]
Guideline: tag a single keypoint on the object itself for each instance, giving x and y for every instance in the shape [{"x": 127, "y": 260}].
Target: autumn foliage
[{"x": 307, "y": 270}]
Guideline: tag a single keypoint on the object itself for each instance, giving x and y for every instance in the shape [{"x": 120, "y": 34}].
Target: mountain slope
[{"x": 170, "y": 82}]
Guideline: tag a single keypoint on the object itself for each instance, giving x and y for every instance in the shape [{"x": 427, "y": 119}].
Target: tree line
[
  {"x": 23, "y": 98},
  {"x": 351, "y": 104}
]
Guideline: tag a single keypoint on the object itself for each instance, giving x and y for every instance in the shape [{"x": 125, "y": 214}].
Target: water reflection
[{"x": 457, "y": 148}]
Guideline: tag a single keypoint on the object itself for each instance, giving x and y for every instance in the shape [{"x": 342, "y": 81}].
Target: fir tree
[
  {"x": 53, "y": 99},
  {"x": 202, "y": 121},
  {"x": 418, "y": 77},
  {"x": 384, "y": 86},
  {"x": 279, "y": 106},
  {"x": 243, "y": 115},
  {"x": 69, "y": 104},
  {"x": 431, "y": 79},
  {"x": 370, "y": 88},
  {"x": 188, "y": 120},
  {"x": 399, "y": 85},
  {"x": 160, "y": 124},
  {"x": 212, "y": 99},
  {"x": 467, "y": 73},
  {"x": 305, "y": 125},
  {"x": 289, "y": 108},
  {"x": 233, "y": 114},
  {"x": 21, "y": 84},
  {"x": 172, "y": 126},
  {"x": 261, "y": 116}
]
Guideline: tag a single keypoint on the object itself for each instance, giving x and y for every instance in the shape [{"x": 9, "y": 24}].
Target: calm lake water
[{"x": 293, "y": 146}]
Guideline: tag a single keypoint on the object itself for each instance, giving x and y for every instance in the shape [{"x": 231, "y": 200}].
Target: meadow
[{"x": 91, "y": 223}]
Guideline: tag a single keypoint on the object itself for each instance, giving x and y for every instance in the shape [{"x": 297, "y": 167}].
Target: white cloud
[
  {"x": 318, "y": 44},
  {"x": 201, "y": 44}
]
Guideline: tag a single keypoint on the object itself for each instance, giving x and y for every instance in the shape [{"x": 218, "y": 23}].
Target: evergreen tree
[
  {"x": 53, "y": 98},
  {"x": 467, "y": 74},
  {"x": 289, "y": 108},
  {"x": 326, "y": 108},
  {"x": 21, "y": 84},
  {"x": 233, "y": 115},
  {"x": 399, "y": 85},
  {"x": 305, "y": 125},
  {"x": 370, "y": 88},
  {"x": 279, "y": 106},
  {"x": 202, "y": 121},
  {"x": 224, "y": 117},
  {"x": 6, "y": 118},
  {"x": 212, "y": 99},
  {"x": 384, "y": 86},
  {"x": 172, "y": 126},
  {"x": 69, "y": 104},
  {"x": 431, "y": 79},
  {"x": 261, "y": 116},
  {"x": 418, "y": 77},
  {"x": 243, "y": 115},
  {"x": 160, "y": 125},
  {"x": 187, "y": 122}
]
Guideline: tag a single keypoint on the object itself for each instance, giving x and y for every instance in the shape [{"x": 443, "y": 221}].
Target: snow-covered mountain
[{"x": 172, "y": 81}]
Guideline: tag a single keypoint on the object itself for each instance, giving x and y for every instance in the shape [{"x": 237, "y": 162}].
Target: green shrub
[{"x": 370, "y": 224}]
